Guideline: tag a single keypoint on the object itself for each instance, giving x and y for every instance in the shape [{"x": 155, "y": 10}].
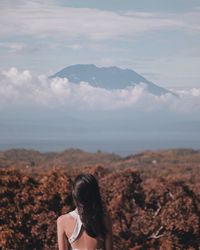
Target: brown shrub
[{"x": 151, "y": 214}]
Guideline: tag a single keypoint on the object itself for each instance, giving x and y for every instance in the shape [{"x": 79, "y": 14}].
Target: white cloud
[
  {"x": 13, "y": 47},
  {"x": 191, "y": 21},
  {"x": 50, "y": 20},
  {"x": 25, "y": 88},
  {"x": 17, "y": 78},
  {"x": 106, "y": 61},
  {"x": 191, "y": 92},
  {"x": 75, "y": 46}
]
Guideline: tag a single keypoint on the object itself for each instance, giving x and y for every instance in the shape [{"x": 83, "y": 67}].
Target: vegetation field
[{"x": 153, "y": 197}]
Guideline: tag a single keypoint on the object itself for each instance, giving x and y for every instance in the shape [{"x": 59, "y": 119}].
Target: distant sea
[{"x": 123, "y": 144}]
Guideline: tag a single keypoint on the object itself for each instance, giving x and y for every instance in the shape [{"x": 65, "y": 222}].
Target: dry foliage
[{"x": 151, "y": 208}]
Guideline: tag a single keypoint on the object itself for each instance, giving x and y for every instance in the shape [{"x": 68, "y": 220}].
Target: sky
[{"x": 156, "y": 38}]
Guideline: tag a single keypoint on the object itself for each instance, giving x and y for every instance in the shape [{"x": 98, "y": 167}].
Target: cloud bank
[
  {"x": 47, "y": 19},
  {"x": 28, "y": 89}
]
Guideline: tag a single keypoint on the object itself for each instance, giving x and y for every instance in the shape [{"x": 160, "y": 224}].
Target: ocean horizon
[{"x": 118, "y": 145}]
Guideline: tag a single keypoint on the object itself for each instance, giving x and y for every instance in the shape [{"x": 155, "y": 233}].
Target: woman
[{"x": 88, "y": 227}]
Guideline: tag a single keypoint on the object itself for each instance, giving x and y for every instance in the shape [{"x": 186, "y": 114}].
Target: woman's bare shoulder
[{"x": 64, "y": 219}]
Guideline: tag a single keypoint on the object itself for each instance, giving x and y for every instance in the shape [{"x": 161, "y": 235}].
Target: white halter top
[{"x": 77, "y": 228}]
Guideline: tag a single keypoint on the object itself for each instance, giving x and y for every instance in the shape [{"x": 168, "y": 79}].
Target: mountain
[{"x": 108, "y": 77}]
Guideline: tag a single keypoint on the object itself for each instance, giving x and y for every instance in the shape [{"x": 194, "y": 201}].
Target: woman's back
[
  {"x": 87, "y": 227},
  {"x": 78, "y": 237}
]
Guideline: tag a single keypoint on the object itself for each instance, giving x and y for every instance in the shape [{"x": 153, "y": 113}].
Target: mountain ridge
[{"x": 111, "y": 77}]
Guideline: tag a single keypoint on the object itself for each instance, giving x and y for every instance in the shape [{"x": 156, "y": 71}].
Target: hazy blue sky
[{"x": 159, "y": 39}]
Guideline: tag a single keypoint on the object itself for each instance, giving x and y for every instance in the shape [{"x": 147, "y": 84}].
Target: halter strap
[{"x": 77, "y": 228}]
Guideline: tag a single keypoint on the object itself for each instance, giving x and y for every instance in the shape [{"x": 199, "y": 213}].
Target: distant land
[
  {"x": 108, "y": 77},
  {"x": 70, "y": 158}
]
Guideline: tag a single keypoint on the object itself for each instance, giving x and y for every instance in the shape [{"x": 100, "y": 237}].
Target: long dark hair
[{"x": 88, "y": 201}]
